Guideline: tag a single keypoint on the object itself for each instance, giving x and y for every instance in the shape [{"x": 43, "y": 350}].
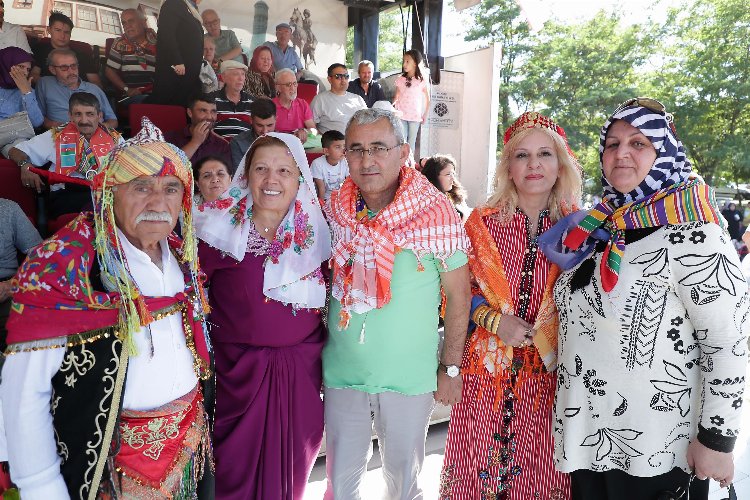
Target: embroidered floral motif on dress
[
  {"x": 299, "y": 232},
  {"x": 152, "y": 434}
]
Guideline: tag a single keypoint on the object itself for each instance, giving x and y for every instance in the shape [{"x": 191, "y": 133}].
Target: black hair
[
  {"x": 58, "y": 17},
  {"x": 331, "y": 136},
  {"x": 432, "y": 168},
  {"x": 416, "y": 56},
  {"x": 334, "y": 66},
  {"x": 200, "y": 97},
  {"x": 197, "y": 166},
  {"x": 84, "y": 99},
  {"x": 263, "y": 108}
]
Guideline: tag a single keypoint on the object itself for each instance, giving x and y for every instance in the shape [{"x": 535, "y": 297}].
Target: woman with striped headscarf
[{"x": 652, "y": 353}]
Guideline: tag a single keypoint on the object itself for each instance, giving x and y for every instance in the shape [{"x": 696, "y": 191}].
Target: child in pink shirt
[{"x": 412, "y": 97}]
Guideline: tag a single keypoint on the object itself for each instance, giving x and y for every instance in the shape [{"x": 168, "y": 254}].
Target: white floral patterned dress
[{"x": 643, "y": 367}]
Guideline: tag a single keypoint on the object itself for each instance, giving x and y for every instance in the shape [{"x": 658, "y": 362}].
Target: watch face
[{"x": 452, "y": 371}]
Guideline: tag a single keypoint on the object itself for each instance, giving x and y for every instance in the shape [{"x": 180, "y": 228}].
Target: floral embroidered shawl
[
  {"x": 303, "y": 239},
  {"x": 53, "y": 295}
]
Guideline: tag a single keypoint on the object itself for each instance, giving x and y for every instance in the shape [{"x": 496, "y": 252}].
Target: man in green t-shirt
[{"x": 397, "y": 241}]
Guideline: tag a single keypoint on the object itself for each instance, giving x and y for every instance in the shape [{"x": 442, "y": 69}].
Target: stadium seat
[
  {"x": 311, "y": 156},
  {"x": 307, "y": 91},
  {"x": 11, "y": 188},
  {"x": 166, "y": 117}
]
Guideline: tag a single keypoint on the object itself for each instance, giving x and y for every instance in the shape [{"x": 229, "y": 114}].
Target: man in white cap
[
  {"x": 232, "y": 103},
  {"x": 285, "y": 56}
]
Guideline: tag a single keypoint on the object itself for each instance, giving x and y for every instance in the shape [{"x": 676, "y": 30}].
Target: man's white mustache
[{"x": 154, "y": 217}]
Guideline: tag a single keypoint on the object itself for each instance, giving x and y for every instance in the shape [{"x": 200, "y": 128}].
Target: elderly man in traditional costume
[
  {"x": 107, "y": 342},
  {"x": 397, "y": 241}
]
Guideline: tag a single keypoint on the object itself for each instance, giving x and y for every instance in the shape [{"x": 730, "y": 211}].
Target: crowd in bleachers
[{"x": 175, "y": 74}]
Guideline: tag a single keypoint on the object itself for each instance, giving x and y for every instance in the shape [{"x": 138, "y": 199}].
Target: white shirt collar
[{"x": 133, "y": 254}]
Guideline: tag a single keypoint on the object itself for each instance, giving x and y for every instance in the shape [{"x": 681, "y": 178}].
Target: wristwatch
[
  {"x": 451, "y": 370},
  {"x": 23, "y": 162}
]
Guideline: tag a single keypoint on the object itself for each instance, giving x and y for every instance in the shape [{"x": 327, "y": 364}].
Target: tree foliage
[
  {"x": 698, "y": 64},
  {"x": 579, "y": 73},
  {"x": 706, "y": 78},
  {"x": 390, "y": 41},
  {"x": 500, "y": 22}
]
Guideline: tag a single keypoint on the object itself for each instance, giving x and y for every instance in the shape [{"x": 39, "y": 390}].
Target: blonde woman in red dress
[{"x": 500, "y": 443}]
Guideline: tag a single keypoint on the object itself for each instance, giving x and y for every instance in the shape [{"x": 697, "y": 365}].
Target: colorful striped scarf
[
  {"x": 683, "y": 202},
  {"x": 420, "y": 219}
]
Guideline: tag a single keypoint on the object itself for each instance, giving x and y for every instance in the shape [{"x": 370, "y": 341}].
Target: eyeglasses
[
  {"x": 340, "y": 76},
  {"x": 65, "y": 67},
  {"x": 358, "y": 154},
  {"x": 289, "y": 85},
  {"x": 213, "y": 23}
]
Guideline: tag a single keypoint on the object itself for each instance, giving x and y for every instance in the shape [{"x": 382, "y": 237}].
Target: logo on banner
[{"x": 445, "y": 110}]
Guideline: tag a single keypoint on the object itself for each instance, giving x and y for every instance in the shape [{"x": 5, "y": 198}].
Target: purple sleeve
[{"x": 212, "y": 259}]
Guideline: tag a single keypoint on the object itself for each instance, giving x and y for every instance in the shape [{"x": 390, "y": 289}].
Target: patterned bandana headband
[
  {"x": 532, "y": 119},
  {"x": 146, "y": 154}
]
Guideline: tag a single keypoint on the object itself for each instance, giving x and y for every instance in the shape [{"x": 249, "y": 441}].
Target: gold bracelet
[
  {"x": 495, "y": 322},
  {"x": 477, "y": 316},
  {"x": 483, "y": 316}
]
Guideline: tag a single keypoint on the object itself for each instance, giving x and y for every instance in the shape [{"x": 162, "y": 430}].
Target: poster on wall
[
  {"x": 318, "y": 29},
  {"x": 442, "y": 131}
]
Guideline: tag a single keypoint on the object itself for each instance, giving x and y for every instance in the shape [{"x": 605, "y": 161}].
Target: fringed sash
[
  {"x": 686, "y": 201},
  {"x": 492, "y": 354},
  {"x": 163, "y": 450}
]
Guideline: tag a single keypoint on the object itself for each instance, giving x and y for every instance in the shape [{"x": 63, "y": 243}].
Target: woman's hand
[
  {"x": 21, "y": 77},
  {"x": 514, "y": 331},
  {"x": 5, "y": 290},
  {"x": 706, "y": 462},
  {"x": 179, "y": 69}
]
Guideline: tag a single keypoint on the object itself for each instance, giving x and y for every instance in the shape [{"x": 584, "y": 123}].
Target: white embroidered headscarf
[{"x": 302, "y": 243}]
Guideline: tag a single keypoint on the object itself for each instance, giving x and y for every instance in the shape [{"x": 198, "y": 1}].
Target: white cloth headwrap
[{"x": 290, "y": 280}]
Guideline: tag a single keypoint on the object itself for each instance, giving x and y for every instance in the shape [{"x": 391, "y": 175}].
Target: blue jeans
[{"x": 411, "y": 129}]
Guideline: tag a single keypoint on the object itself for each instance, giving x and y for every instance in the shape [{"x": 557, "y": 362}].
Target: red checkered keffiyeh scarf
[{"x": 420, "y": 219}]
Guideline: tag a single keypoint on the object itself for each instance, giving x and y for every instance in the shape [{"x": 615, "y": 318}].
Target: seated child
[{"x": 330, "y": 170}]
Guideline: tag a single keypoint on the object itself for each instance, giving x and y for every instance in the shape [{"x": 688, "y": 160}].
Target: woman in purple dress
[{"x": 263, "y": 243}]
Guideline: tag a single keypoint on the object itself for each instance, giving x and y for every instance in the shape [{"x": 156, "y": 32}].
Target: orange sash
[{"x": 486, "y": 266}]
